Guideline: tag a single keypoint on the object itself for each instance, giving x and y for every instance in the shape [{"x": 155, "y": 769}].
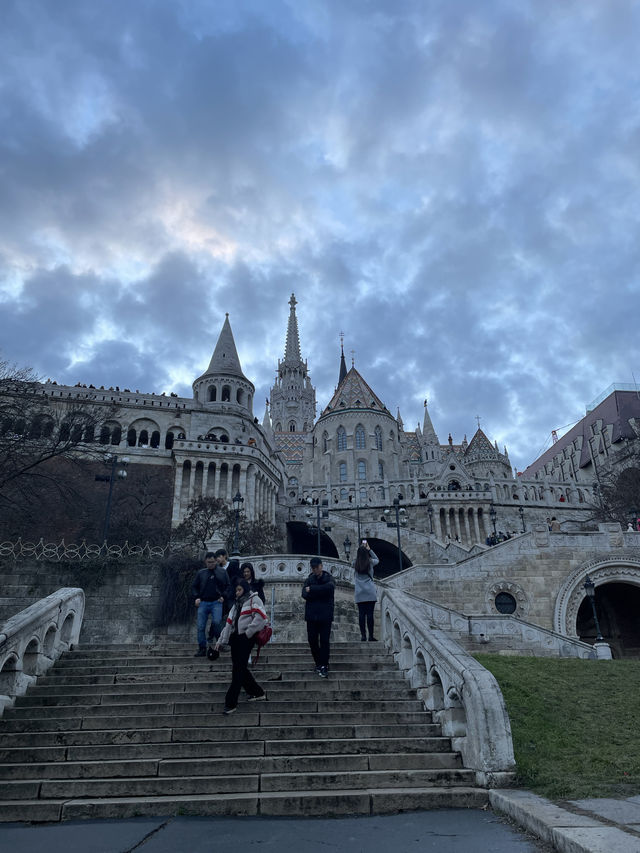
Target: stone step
[
  {"x": 213, "y": 732},
  {"x": 241, "y": 765},
  {"x": 303, "y": 678},
  {"x": 249, "y": 716},
  {"x": 210, "y": 705},
  {"x": 407, "y": 747},
  {"x": 329, "y": 803}
]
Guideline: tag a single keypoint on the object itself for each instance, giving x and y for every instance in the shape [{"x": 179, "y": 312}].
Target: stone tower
[
  {"x": 293, "y": 397},
  {"x": 223, "y": 381}
]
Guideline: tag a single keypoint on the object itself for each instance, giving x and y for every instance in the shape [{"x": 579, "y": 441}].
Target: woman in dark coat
[{"x": 249, "y": 575}]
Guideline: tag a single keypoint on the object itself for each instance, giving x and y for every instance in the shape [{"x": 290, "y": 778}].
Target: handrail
[{"x": 33, "y": 639}]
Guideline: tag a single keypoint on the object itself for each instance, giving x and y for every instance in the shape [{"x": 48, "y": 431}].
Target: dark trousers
[
  {"x": 241, "y": 676},
  {"x": 319, "y": 636},
  {"x": 365, "y": 612}
]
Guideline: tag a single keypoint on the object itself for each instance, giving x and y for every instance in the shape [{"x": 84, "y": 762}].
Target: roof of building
[
  {"x": 291, "y": 445},
  {"x": 354, "y": 393},
  {"x": 225, "y": 359}
]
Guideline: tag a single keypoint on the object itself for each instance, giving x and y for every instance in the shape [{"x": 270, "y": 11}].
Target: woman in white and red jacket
[{"x": 246, "y": 618}]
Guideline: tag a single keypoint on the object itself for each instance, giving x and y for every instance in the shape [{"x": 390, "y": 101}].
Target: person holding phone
[{"x": 365, "y": 589}]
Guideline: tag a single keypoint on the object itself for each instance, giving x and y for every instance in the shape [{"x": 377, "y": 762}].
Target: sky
[{"x": 453, "y": 185}]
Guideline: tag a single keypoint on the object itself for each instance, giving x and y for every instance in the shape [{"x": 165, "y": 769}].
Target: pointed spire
[
  {"x": 400, "y": 421},
  {"x": 343, "y": 365},
  {"x": 225, "y": 356},
  {"x": 427, "y": 427},
  {"x": 292, "y": 346},
  {"x": 266, "y": 421}
]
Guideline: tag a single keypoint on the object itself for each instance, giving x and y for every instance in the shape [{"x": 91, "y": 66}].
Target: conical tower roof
[
  {"x": 428, "y": 431},
  {"x": 292, "y": 345},
  {"x": 354, "y": 393},
  {"x": 224, "y": 360},
  {"x": 343, "y": 365}
]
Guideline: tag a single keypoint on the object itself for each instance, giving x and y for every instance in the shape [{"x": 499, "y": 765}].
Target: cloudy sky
[{"x": 453, "y": 184}]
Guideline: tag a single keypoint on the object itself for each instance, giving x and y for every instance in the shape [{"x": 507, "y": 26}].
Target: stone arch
[
  {"x": 49, "y": 642},
  {"x": 30, "y": 657},
  {"x": 406, "y": 653},
  {"x": 396, "y": 638},
  {"x": 615, "y": 569},
  {"x": 8, "y": 675}
]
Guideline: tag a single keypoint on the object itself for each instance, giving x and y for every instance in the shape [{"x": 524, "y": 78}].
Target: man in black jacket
[
  {"x": 209, "y": 592},
  {"x": 318, "y": 592}
]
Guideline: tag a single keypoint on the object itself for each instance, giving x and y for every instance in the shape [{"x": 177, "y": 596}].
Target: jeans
[
  {"x": 319, "y": 635},
  {"x": 365, "y": 612},
  {"x": 241, "y": 676},
  {"x": 204, "y": 609}
]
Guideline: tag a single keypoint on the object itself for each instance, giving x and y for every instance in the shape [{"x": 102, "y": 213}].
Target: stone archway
[{"x": 617, "y": 597}]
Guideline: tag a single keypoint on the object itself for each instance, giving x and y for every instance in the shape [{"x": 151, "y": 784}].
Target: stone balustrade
[
  {"x": 462, "y": 695},
  {"x": 33, "y": 639}
]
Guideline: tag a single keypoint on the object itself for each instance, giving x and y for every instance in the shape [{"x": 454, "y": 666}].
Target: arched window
[
  {"x": 325, "y": 441},
  {"x": 344, "y": 494},
  {"x": 168, "y": 442},
  {"x": 239, "y": 396},
  {"x": 381, "y": 470},
  {"x": 381, "y": 492},
  {"x": 363, "y": 496},
  {"x": 362, "y": 470},
  {"x": 116, "y": 435},
  {"x": 105, "y": 434},
  {"x": 212, "y": 393},
  {"x": 155, "y": 438},
  {"x": 378, "y": 435},
  {"x": 343, "y": 472},
  {"x": 453, "y": 486},
  {"x": 226, "y": 394},
  {"x": 342, "y": 438},
  {"x": 143, "y": 441},
  {"x": 224, "y": 439},
  {"x": 131, "y": 438},
  {"x": 360, "y": 438},
  {"x": 292, "y": 426}
]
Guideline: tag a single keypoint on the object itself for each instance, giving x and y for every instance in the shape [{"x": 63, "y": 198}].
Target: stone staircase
[{"x": 122, "y": 731}]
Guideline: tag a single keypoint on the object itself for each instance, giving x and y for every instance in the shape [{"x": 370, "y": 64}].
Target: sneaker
[
  {"x": 228, "y": 711},
  {"x": 200, "y": 653},
  {"x": 259, "y": 698},
  {"x": 323, "y": 672}
]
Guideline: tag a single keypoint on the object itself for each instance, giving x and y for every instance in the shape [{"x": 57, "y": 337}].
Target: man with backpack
[{"x": 318, "y": 592}]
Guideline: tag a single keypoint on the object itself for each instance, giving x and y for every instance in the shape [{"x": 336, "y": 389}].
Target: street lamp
[
  {"x": 347, "y": 547},
  {"x": 430, "y": 511},
  {"x": 112, "y": 460},
  {"x": 521, "y": 511},
  {"x": 400, "y": 511},
  {"x": 590, "y": 589},
  {"x": 493, "y": 515},
  {"x": 237, "y": 502}
]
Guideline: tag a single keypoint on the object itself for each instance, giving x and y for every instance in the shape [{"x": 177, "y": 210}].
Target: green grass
[{"x": 575, "y": 724}]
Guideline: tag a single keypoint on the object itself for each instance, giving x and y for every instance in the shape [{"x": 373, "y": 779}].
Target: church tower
[
  {"x": 223, "y": 382},
  {"x": 293, "y": 397}
]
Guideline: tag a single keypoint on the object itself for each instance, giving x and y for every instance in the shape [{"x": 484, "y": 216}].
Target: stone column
[
  {"x": 177, "y": 491},
  {"x": 205, "y": 479}
]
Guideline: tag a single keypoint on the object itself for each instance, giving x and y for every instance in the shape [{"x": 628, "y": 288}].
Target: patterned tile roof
[
  {"x": 354, "y": 393},
  {"x": 291, "y": 445}
]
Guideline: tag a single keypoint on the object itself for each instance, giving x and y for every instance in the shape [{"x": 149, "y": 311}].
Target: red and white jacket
[{"x": 252, "y": 619}]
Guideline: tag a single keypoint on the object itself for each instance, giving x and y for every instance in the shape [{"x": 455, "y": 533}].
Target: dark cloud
[{"x": 454, "y": 185}]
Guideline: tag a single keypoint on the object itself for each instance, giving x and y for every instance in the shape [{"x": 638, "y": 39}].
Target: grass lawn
[{"x": 575, "y": 724}]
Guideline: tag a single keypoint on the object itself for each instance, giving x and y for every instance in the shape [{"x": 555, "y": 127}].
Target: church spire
[
  {"x": 292, "y": 345},
  {"x": 343, "y": 364},
  {"x": 428, "y": 431}
]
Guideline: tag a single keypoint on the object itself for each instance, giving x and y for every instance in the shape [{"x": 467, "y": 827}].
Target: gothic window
[
  {"x": 381, "y": 470},
  {"x": 378, "y": 438},
  {"x": 362, "y": 470},
  {"x": 212, "y": 393},
  {"x": 278, "y": 427},
  {"x": 325, "y": 441},
  {"x": 292, "y": 426},
  {"x": 342, "y": 468},
  {"x": 342, "y": 438},
  {"x": 360, "y": 438}
]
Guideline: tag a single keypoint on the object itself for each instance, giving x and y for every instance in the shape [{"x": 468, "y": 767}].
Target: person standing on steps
[
  {"x": 365, "y": 589},
  {"x": 318, "y": 592},
  {"x": 209, "y": 591},
  {"x": 246, "y": 619},
  {"x": 255, "y": 585}
]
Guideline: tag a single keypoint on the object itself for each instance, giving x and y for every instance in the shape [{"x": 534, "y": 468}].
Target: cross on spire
[{"x": 478, "y": 419}]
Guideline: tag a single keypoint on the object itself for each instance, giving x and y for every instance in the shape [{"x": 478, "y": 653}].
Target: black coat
[
  {"x": 208, "y": 585},
  {"x": 319, "y": 606}
]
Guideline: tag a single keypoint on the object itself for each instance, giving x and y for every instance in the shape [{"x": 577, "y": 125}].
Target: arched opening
[
  {"x": 155, "y": 438},
  {"x": 617, "y": 607},
  {"x": 239, "y": 396},
  {"x": 168, "y": 442},
  {"x": 105, "y": 435},
  {"x": 143, "y": 440},
  {"x": 131, "y": 438},
  {"x": 116, "y": 435},
  {"x": 226, "y": 393},
  {"x": 387, "y": 553},
  {"x": 303, "y": 540},
  {"x": 212, "y": 393},
  {"x": 30, "y": 658}
]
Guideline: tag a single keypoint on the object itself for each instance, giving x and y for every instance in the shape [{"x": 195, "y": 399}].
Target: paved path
[{"x": 446, "y": 831}]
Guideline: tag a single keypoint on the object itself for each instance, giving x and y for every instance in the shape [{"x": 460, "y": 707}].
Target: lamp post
[
  {"x": 112, "y": 460},
  {"x": 590, "y": 589},
  {"x": 400, "y": 511},
  {"x": 347, "y": 547},
  {"x": 237, "y": 502},
  {"x": 430, "y": 511},
  {"x": 493, "y": 515},
  {"x": 521, "y": 511}
]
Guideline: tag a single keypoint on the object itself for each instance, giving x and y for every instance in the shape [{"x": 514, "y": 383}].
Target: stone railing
[
  {"x": 58, "y": 551},
  {"x": 462, "y": 695},
  {"x": 289, "y": 568},
  {"x": 32, "y": 640},
  {"x": 524, "y": 634}
]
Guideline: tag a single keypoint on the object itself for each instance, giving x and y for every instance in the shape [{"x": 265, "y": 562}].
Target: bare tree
[
  {"x": 208, "y": 517},
  {"x": 36, "y": 430}
]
